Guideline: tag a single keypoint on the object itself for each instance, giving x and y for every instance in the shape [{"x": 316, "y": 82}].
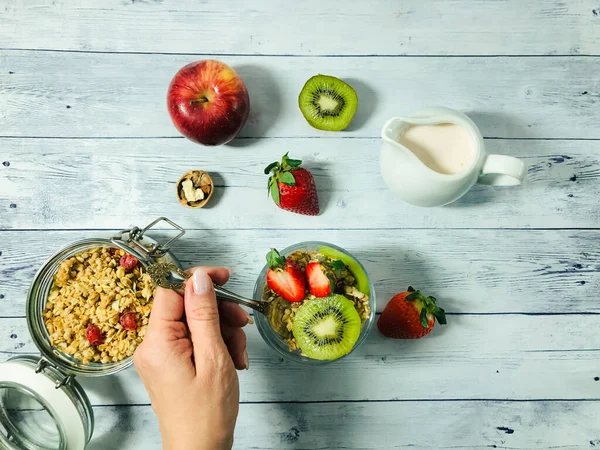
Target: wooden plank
[
  {"x": 522, "y": 27},
  {"x": 95, "y": 95},
  {"x": 110, "y": 183},
  {"x": 468, "y": 425},
  {"x": 418, "y": 425},
  {"x": 473, "y": 357},
  {"x": 470, "y": 271}
]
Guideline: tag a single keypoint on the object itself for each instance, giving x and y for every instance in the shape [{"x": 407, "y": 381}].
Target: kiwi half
[
  {"x": 327, "y": 328},
  {"x": 328, "y": 103}
]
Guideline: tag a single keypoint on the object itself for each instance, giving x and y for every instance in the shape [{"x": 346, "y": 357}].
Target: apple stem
[{"x": 202, "y": 99}]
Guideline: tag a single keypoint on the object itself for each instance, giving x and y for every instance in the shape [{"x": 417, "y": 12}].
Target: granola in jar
[{"x": 98, "y": 306}]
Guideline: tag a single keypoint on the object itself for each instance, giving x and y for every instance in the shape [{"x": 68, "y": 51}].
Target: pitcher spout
[
  {"x": 392, "y": 130},
  {"x": 391, "y": 133}
]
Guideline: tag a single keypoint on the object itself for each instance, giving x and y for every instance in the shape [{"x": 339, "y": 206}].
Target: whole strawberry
[
  {"x": 293, "y": 188},
  {"x": 410, "y": 315}
]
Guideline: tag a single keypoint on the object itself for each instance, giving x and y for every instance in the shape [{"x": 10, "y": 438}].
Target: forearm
[{"x": 201, "y": 438}]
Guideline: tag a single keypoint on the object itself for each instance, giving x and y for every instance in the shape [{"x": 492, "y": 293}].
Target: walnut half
[{"x": 195, "y": 188}]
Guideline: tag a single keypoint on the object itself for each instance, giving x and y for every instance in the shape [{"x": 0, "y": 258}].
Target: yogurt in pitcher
[{"x": 446, "y": 148}]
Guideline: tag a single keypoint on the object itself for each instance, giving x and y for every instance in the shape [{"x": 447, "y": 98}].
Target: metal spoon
[{"x": 169, "y": 276}]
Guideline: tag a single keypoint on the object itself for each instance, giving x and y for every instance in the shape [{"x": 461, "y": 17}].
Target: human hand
[{"x": 187, "y": 364}]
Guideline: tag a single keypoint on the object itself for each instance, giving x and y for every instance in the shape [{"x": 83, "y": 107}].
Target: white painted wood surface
[
  {"x": 89, "y": 148},
  {"x": 476, "y": 357},
  {"x": 70, "y": 94},
  {"x": 526, "y": 425},
  {"x": 415, "y": 425},
  {"x": 471, "y": 271},
  {"x": 137, "y": 185},
  {"x": 314, "y": 27}
]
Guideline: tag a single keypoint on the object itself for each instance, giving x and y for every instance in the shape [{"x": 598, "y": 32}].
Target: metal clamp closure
[
  {"x": 42, "y": 364},
  {"x": 133, "y": 236}
]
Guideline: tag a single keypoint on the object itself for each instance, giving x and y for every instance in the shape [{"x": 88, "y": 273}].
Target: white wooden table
[{"x": 87, "y": 147}]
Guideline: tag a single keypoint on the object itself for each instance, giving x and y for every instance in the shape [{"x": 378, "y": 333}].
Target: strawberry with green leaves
[
  {"x": 285, "y": 277},
  {"x": 410, "y": 315},
  {"x": 292, "y": 187}
]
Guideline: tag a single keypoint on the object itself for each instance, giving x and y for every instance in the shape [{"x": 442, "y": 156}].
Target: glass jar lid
[{"x": 40, "y": 409}]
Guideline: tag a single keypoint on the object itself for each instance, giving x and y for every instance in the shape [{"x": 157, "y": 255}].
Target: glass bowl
[{"x": 274, "y": 340}]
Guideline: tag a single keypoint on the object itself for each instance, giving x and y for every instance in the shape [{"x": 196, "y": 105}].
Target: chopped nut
[
  {"x": 191, "y": 194},
  {"x": 205, "y": 180},
  {"x": 194, "y": 189}
]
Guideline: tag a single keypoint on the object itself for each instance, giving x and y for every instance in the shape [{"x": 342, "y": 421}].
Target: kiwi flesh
[
  {"x": 327, "y": 328},
  {"x": 362, "y": 281},
  {"x": 328, "y": 103}
]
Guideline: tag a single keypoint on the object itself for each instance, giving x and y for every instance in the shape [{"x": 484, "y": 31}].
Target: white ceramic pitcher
[{"x": 411, "y": 180}]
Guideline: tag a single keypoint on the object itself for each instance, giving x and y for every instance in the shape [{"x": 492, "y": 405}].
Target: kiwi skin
[
  {"x": 362, "y": 281},
  {"x": 327, "y": 86},
  {"x": 324, "y": 313}
]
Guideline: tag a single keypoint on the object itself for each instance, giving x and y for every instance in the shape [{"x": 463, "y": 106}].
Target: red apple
[{"x": 208, "y": 102}]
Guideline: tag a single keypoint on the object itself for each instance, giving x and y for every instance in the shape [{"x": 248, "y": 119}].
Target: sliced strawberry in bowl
[
  {"x": 285, "y": 277},
  {"x": 319, "y": 283}
]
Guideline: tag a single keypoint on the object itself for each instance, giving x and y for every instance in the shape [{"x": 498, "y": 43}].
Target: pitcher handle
[{"x": 502, "y": 170}]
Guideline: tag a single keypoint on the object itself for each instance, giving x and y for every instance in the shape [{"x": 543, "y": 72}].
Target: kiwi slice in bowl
[
  {"x": 327, "y": 328},
  {"x": 328, "y": 103}
]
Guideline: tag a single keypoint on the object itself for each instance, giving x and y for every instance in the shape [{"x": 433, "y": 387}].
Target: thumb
[{"x": 202, "y": 313}]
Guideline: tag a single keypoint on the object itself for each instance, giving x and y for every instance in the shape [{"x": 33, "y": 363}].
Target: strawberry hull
[{"x": 410, "y": 315}]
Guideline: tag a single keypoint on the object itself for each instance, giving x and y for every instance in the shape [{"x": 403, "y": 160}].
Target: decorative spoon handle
[{"x": 169, "y": 276}]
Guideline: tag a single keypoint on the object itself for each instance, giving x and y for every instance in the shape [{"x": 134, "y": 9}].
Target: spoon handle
[
  {"x": 224, "y": 294},
  {"x": 169, "y": 276}
]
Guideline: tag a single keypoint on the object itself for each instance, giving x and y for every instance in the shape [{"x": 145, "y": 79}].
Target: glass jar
[{"x": 41, "y": 405}]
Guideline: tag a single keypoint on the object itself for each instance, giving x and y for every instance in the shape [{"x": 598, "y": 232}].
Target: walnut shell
[{"x": 200, "y": 181}]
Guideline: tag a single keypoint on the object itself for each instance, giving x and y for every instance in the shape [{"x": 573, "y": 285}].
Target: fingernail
[
  {"x": 230, "y": 270},
  {"x": 246, "y": 360},
  {"x": 202, "y": 282},
  {"x": 250, "y": 319}
]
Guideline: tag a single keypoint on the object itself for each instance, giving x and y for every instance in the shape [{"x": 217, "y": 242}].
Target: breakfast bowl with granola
[{"x": 321, "y": 302}]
